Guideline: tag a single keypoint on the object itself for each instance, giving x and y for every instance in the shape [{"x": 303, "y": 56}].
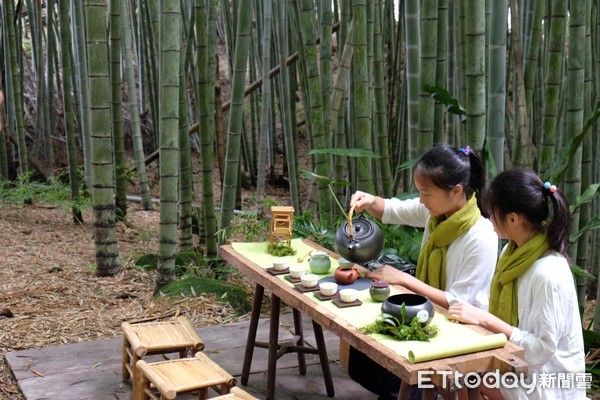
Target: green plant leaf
[
  {"x": 593, "y": 224},
  {"x": 359, "y": 153},
  {"x": 407, "y": 164},
  {"x": 443, "y": 96},
  {"x": 316, "y": 178},
  {"x": 587, "y": 196},
  {"x": 389, "y": 325},
  {"x": 561, "y": 162}
]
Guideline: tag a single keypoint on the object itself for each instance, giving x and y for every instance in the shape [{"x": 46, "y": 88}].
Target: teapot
[
  {"x": 345, "y": 276},
  {"x": 358, "y": 240},
  {"x": 319, "y": 262}
]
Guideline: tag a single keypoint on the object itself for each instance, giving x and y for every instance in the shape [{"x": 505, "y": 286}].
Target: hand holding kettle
[
  {"x": 360, "y": 239},
  {"x": 362, "y": 201}
]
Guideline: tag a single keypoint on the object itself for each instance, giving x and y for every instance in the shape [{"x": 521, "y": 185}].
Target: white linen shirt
[
  {"x": 549, "y": 330},
  {"x": 470, "y": 258}
]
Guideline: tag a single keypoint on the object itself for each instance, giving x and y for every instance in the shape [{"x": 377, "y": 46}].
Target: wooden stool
[
  {"x": 236, "y": 393},
  {"x": 281, "y": 224},
  {"x": 162, "y": 337},
  {"x": 182, "y": 375}
]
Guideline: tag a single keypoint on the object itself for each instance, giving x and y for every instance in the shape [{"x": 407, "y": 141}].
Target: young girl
[
  {"x": 532, "y": 295},
  {"x": 459, "y": 249}
]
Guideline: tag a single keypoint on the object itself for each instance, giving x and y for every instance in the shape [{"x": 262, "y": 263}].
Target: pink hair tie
[
  {"x": 466, "y": 150},
  {"x": 550, "y": 187}
]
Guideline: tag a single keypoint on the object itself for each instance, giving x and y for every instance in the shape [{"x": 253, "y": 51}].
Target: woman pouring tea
[{"x": 459, "y": 248}]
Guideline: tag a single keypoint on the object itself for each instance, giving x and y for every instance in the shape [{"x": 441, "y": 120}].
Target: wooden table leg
[
  {"x": 251, "y": 339},
  {"x": 429, "y": 394},
  {"x": 404, "y": 392},
  {"x": 273, "y": 346},
  {"x": 320, "y": 340},
  {"x": 474, "y": 393},
  {"x": 298, "y": 331}
]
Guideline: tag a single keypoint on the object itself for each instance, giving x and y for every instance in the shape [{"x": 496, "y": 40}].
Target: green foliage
[
  {"x": 594, "y": 223},
  {"x": 251, "y": 225},
  {"x": 358, "y": 153},
  {"x": 25, "y": 190},
  {"x": 386, "y": 324},
  {"x": 562, "y": 161},
  {"x": 587, "y": 196},
  {"x": 326, "y": 181},
  {"x": 304, "y": 226},
  {"x": 198, "y": 276},
  {"x": 280, "y": 250},
  {"x": 225, "y": 291},
  {"x": 402, "y": 240},
  {"x": 186, "y": 262},
  {"x": 443, "y": 96},
  {"x": 147, "y": 261},
  {"x": 591, "y": 343}
]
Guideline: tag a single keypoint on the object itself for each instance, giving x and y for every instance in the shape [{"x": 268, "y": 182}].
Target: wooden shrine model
[{"x": 282, "y": 218}]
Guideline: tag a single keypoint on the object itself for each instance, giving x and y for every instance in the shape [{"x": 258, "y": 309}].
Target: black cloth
[{"x": 376, "y": 378}]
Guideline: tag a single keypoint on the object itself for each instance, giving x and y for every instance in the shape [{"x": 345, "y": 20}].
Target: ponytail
[
  {"x": 557, "y": 230},
  {"x": 477, "y": 179},
  {"x": 522, "y": 191}
]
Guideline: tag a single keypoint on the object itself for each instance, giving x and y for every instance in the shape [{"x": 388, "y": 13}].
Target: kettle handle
[{"x": 350, "y": 221}]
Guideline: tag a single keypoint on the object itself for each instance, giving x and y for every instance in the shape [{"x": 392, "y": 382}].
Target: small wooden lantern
[{"x": 282, "y": 218}]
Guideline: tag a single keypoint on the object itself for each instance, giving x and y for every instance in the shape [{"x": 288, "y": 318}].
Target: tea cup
[
  {"x": 279, "y": 264},
  {"x": 348, "y": 295},
  {"x": 297, "y": 270},
  {"x": 328, "y": 288},
  {"x": 309, "y": 280}
]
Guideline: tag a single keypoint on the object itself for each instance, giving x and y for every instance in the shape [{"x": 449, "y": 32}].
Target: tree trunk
[{"x": 103, "y": 186}]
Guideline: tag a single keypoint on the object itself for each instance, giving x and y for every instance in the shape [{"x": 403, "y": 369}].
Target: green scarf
[
  {"x": 431, "y": 267},
  {"x": 513, "y": 263}
]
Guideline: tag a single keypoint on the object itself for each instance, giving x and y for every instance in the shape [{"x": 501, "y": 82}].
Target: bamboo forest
[{"x": 194, "y": 101}]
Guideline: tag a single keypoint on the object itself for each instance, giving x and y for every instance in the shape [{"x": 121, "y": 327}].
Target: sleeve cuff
[
  {"x": 517, "y": 335},
  {"x": 385, "y": 216},
  {"x": 451, "y": 299}
]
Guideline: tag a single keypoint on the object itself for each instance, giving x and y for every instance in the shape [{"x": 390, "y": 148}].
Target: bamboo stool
[
  {"x": 236, "y": 393},
  {"x": 172, "y": 377},
  {"x": 281, "y": 224},
  {"x": 161, "y": 337}
]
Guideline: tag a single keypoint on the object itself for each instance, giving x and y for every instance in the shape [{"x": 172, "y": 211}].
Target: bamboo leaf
[
  {"x": 561, "y": 162},
  {"x": 593, "y": 224},
  {"x": 586, "y": 197},
  {"x": 443, "y": 96},
  {"x": 346, "y": 153},
  {"x": 407, "y": 164},
  {"x": 321, "y": 179},
  {"x": 491, "y": 162}
]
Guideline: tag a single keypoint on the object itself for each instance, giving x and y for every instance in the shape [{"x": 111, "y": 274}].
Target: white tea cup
[
  {"x": 328, "y": 288},
  {"x": 297, "y": 270},
  {"x": 309, "y": 280},
  {"x": 279, "y": 264},
  {"x": 348, "y": 295}
]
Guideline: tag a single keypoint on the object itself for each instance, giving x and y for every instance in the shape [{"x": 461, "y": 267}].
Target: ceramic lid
[{"x": 379, "y": 284}]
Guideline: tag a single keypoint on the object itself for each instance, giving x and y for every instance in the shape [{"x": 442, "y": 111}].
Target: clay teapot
[
  {"x": 358, "y": 240},
  {"x": 345, "y": 276}
]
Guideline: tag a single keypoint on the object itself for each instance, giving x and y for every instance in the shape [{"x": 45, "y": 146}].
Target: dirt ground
[{"x": 50, "y": 294}]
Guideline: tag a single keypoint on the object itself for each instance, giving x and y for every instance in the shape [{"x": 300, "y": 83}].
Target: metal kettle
[{"x": 358, "y": 240}]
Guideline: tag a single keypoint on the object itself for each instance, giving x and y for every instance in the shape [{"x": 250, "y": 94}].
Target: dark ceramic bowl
[{"x": 416, "y": 306}]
